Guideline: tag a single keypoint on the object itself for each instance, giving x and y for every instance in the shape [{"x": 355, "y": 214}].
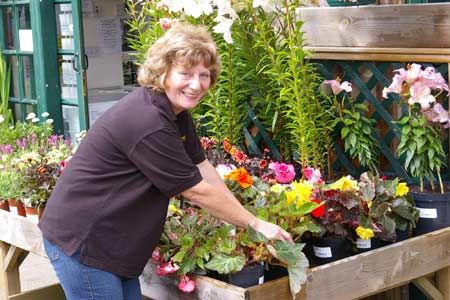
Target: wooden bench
[{"x": 423, "y": 260}]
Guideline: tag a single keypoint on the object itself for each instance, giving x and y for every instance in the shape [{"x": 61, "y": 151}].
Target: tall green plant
[{"x": 5, "y": 112}]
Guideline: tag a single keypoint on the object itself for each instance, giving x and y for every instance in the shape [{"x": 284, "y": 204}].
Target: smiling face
[{"x": 185, "y": 87}]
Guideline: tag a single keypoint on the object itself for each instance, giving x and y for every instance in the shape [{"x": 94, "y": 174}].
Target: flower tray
[{"x": 355, "y": 277}]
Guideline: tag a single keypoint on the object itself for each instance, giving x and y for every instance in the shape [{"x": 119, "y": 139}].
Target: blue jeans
[{"x": 81, "y": 282}]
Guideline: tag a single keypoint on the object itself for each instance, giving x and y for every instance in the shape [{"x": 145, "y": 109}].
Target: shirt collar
[{"x": 163, "y": 103}]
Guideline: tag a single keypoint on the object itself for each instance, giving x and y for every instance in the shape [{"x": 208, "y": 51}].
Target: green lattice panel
[{"x": 368, "y": 80}]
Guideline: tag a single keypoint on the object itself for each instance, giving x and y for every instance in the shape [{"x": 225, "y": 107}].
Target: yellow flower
[
  {"x": 345, "y": 184},
  {"x": 303, "y": 191},
  {"x": 364, "y": 233},
  {"x": 277, "y": 188},
  {"x": 175, "y": 209},
  {"x": 402, "y": 189},
  {"x": 291, "y": 196}
]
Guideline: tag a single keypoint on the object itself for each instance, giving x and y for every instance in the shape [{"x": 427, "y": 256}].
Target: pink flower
[
  {"x": 167, "y": 23},
  {"x": 312, "y": 175},
  {"x": 337, "y": 86},
  {"x": 284, "y": 173},
  {"x": 186, "y": 285},
  {"x": 166, "y": 268},
  {"x": 156, "y": 255}
]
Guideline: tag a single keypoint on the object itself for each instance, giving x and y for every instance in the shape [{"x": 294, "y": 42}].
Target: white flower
[
  {"x": 267, "y": 5},
  {"x": 45, "y": 114},
  {"x": 224, "y": 8},
  {"x": 11, "y": 127},
  {"x": 35, "y": 120},
  {"x": 196, "y": 8},
  {"x": 224, "y": 27},
  {"x": 224, "y": 169},
  {"x": 49, "y": 121},
  {"x": 172, "y": 5},
  {"x": 31, "y": 116},
  {"x": 1, "y": 119}
]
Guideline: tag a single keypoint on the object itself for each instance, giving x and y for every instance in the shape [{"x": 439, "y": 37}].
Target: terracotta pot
[
  {"x": 17, "y": 207},
  {"x": 4, "y": 205},
  {"x": 34, "y": 213}
]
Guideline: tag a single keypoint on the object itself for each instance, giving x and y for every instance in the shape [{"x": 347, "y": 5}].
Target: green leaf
[
  {"x": 287, "y": 252},
  {"x": 344, "y": 132},
  {"x": 225, "y": 264},
  {"x": 297, "y": 275},
  {"x": 352, "y": 139}
]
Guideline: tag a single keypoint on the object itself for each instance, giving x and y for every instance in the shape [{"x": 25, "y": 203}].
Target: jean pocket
[{"x": 52, "y": 250}]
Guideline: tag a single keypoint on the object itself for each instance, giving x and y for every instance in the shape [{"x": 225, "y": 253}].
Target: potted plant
[
  {"x": 194, "y": 241},
  {"x": 420, "y": 145},
  {"x": 388, "y": 208},
  {"x": 354, "y": 127}
]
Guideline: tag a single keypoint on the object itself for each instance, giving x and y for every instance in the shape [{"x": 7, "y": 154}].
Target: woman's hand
[{"x": 272, "y": 231}]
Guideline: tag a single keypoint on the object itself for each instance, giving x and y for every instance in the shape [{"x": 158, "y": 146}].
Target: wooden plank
[
  {"x": 443, "y": 282},
  {"x": 428, "y": 288},
  {"x": 390, "y": 26},
  {"x": 165, "y": 287},
  {"x": 21, "y": 232},
  {"x": 14, "y": 258},
  {"x": 53, "y": 292},
  {"x": 381, "y": 269},
  {"x": 382, "y": 57},
  {"x": 9, "y": 280}
]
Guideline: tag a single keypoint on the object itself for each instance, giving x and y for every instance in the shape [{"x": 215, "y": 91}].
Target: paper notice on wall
[{"x": 110, "y": 35}]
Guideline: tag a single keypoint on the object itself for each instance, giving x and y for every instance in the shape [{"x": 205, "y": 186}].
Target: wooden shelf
[{"x": 355, "y": 277}]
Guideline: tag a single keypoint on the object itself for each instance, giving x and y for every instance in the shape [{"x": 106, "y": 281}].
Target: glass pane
[
  {"x": 8, "y": 25},
  {"x": 28, "y": 77},
  {"x": 71, "y": 122},
  {"x": 67, "y": 77},
  {"x": 64, "y": 26},
  {"x": 14, "y": 91},
  {"x": 24, "y": 17}
]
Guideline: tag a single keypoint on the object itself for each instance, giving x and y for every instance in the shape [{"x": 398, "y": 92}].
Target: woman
[{"x": 108, "y": 209}]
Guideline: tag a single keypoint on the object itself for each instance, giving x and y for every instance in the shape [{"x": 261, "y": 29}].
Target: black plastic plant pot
[
  {"x": 248, "y": 276},
  {"x": 434, "y": 211},
  {"x": 329, "y": 249},
  {"x": 367, "y": 245},
  {"x": 272, "y": 272}
]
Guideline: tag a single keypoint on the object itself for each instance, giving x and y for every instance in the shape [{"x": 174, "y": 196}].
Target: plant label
[{"x": 322, "y": 252}]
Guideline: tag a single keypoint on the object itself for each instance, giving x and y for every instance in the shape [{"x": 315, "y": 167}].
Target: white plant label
[
  {"x": 322, "y": 252},
  {"x": 363, "y": 244},
  {"x": 427, "y": 213},
  {"x": 261, "y": 280}
]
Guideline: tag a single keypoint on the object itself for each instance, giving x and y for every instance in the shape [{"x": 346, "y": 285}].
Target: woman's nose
[{"x": 194, "y": 82}]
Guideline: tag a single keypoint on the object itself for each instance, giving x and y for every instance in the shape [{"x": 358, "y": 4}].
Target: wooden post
[
  {"x": 443, "y": 282},
  {"x": 9, "y": 271}
]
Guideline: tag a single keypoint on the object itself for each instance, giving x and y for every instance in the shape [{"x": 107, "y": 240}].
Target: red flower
[
  {"x": 239, "y": 156},
  {"x": 186, "y": 284},
  {"x": 242, "y": 176},
  {"x": 262, "y": 163},
  {"x": 166, "y": 268},
  {"x": 319, "y": 211},
  {"x": 156, "y": 255}
]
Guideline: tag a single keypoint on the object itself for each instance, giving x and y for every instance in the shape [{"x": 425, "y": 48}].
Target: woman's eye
[
  {"x": 184, "y": 74},
  {"x": 204, "y": 76}
]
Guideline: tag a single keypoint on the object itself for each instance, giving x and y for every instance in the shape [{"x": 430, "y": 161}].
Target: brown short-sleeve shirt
[{"x": 111, "y": 201}]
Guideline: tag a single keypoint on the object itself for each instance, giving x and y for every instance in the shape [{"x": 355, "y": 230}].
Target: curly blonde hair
[{"x": 183, "y": 44}]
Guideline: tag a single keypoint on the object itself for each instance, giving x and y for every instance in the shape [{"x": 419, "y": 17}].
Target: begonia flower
[
  {"x": 186, "y": 284},
  {"x": 284, "y": 173}
]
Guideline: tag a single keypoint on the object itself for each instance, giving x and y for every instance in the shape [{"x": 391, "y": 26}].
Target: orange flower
[
  {"x": 42, "y": 170},
  {"x": 238, "y": 156},
  {"x": 241, "y": 176},
  {"x": 226, "y": 145}
]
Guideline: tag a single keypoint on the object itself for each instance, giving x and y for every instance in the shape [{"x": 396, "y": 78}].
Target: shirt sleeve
[
  {"x": 163, "y": 159},
  {"x": 191, "y": 140}
]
